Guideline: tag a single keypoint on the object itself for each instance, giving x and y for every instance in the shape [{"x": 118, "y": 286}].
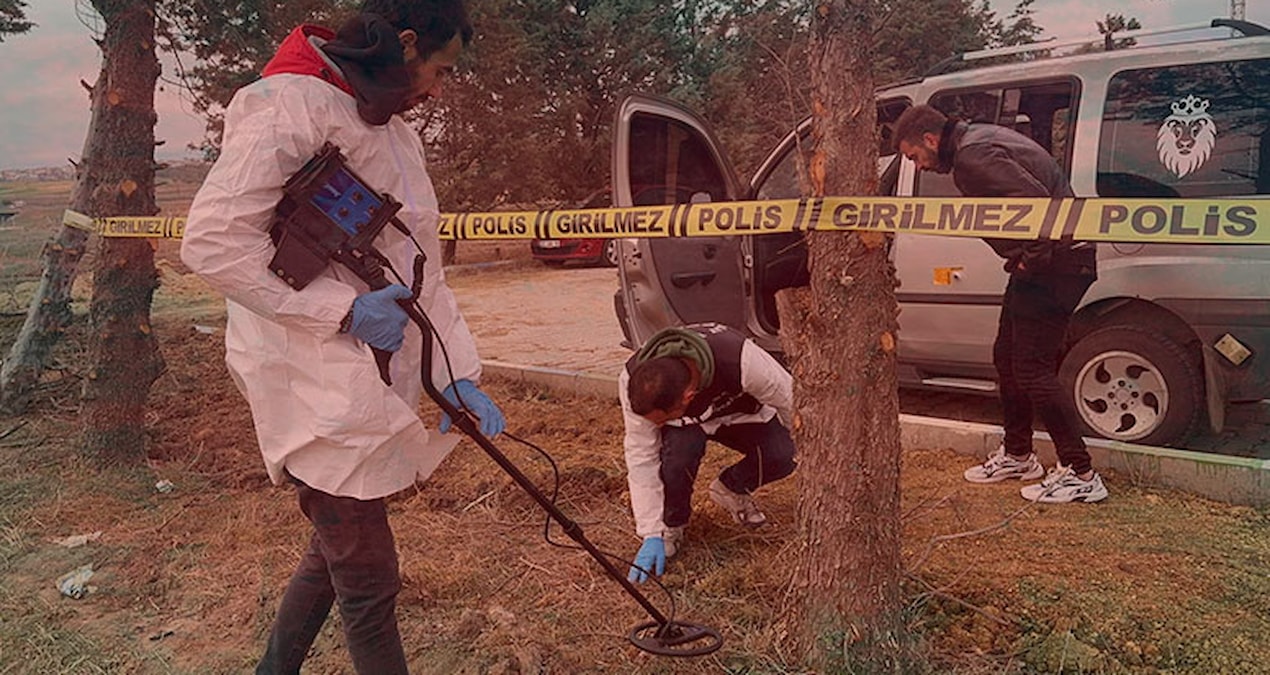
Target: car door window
[
  {"x": 671, "y": 164},
  {"x": 780, "y": 260},
  {"x": 1198, "y": 130},
  {"x": 783, "y": 181},
  {"x": 1041, "y": 111}
]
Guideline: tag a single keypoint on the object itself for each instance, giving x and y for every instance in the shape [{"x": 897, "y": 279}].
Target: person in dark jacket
[
  {"x": 683, "y": 387},
  {"x": 1047, "y": 280}
]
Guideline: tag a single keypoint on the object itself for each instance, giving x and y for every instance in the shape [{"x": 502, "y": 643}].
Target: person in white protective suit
[{"x": 324, "y": 419}]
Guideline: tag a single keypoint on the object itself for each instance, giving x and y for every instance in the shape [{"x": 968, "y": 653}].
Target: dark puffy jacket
[{"x": 992, "y": 161}]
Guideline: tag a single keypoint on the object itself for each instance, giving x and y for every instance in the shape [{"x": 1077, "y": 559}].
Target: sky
[{"x": 45, "y": 110}]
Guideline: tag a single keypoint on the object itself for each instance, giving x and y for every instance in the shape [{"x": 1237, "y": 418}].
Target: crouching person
[{"x": 686, "y": 386}]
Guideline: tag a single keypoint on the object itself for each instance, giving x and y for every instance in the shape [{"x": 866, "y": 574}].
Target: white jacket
[
  {"x": 762, "y": 377},
  {"x": 320, "y": 410}
]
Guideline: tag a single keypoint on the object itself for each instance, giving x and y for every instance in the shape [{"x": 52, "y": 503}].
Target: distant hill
[
  {"x": 178, "y": 170},
  {"x": 46, "y": 173},
  {"x": 185, "y": 172}
]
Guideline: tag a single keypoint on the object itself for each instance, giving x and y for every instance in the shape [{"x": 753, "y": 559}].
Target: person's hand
[
  {"x": 377, "y": 318},
  {"x": 477, "y": 403},
  {"x": 651, "y": 559}
]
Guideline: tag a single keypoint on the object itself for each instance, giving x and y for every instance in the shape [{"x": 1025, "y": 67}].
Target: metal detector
[{"x": 329, "y": 213}]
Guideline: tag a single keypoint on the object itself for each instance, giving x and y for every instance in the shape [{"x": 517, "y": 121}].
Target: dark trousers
[
  {"x": 1034, "y": 318},
  {"x": 351, "y": 559},
  {"x": 769, "y": 456}
]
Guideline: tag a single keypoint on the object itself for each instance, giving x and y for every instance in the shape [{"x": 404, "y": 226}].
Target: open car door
[{"x": 665, "y": 154}]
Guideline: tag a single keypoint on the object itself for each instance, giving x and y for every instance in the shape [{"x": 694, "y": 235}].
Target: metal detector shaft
[{"x": 468, "y": 426}]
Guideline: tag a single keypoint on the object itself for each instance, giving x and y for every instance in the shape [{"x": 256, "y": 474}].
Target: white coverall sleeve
[
  {"x": 643, "y": 467},
  {"x": 460, "y": 357},
  {"x": 764, "y": 378},
  {"x": 226, "y": 238}
]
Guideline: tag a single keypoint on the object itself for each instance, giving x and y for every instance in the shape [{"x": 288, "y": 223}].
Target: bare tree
[{"x": 840, "y": 336}]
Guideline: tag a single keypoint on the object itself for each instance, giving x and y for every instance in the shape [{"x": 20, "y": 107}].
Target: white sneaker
[
  {"x": 1000, "y": 466},
  {"x": 743, "y": 509},
  {"x": 1062, "y": 486},
  {"x": 672, "y": 538}
]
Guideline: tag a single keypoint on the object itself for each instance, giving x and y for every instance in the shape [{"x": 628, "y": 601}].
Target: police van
[{"x": 1163, "y": 340}]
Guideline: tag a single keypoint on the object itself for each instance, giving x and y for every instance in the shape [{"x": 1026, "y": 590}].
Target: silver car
[{"x": 1162, "y": 341}]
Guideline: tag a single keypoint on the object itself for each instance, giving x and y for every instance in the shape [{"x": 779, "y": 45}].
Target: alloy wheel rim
[{"x": 1121, "y": 395}]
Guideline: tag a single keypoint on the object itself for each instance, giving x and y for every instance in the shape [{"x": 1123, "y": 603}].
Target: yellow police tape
[{"x": 1195, "y": 221}]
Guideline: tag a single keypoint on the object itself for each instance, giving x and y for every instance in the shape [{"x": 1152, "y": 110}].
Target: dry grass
[{"x": 188, "y": 581}]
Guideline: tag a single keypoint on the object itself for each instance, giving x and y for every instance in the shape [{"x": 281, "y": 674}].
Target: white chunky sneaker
[
  {"x": 672, "y": 538},
  {"x": 1062, "y": 486},
  {"x": 743, "y": 509},
  {"x": 999, "y": 466}
]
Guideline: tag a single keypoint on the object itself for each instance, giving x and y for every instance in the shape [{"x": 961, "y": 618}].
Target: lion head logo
[{"x": 1186, "y": 138}]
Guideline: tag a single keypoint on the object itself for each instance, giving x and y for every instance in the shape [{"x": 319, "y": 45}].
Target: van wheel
[{"x": 1130, "y": 384}]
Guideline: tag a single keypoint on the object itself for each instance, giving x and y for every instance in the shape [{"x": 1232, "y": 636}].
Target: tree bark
[
  {"x": 49, "y": 313},
  {"x": 123, "y": 352},
  {"x": 839, "y": 334}
]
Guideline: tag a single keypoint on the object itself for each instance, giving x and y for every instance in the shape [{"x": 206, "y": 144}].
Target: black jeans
[
  {"x": 351, "y": 558},
  {"x": 769, "y": 456},
  {"x": 1034, "y": 318}
]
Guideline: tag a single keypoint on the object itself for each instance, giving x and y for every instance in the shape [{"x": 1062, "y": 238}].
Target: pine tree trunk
[
  {"x": 123, "y": 352},
  {"x": 839, "y": 334}
]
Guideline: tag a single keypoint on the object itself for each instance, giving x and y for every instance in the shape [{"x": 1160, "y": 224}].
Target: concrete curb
[{"x": 1236, "y": 480}]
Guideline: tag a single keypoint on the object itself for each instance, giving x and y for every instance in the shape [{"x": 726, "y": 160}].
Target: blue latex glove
[
  {"x": 492, "y": 422},
  {"x": 651, "y": 558},
  {"x": 378, "y": 320}
]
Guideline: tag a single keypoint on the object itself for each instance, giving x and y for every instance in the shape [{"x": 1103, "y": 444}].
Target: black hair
[
  {"x": 436, "y": 22},
  {"x": 916, "y": 121},
  {"x": 658, "y": 384}
]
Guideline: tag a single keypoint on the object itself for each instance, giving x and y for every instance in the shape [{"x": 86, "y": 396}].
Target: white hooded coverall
[{"x": 321, "y": 411}]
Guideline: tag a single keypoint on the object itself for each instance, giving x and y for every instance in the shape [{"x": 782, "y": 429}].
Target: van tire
[{"x": 1157, "y": 384}]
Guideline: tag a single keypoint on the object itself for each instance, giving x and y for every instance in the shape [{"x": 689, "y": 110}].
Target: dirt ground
[{"x": 187, "y": 581}]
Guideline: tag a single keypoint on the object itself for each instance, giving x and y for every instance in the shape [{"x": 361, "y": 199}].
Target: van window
[
  {"x": 888, "y": 113},
  {"x": 1199, "y": 130},
  {"x": 1042, "y": 112}
]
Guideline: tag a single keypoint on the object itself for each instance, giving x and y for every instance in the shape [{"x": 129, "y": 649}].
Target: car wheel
[
  {"x": 1130, "y": 384},
  {"x": 608, "y": 257}
]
